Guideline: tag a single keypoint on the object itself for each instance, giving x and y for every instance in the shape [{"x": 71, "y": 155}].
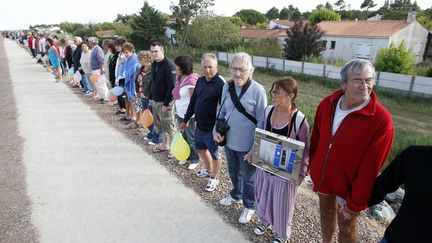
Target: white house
[
  {"x": 363, "y": 39},
  {"x": 280, "y": 24}
]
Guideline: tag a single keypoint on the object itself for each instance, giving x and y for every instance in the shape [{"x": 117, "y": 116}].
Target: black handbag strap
[{"x": 236, "y": 100}]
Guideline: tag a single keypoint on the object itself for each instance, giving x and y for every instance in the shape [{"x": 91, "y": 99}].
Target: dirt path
[{"x": 15, "y": 208}]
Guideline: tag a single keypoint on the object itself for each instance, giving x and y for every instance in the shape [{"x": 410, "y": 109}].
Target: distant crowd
[{"x": 351, "y": 137}]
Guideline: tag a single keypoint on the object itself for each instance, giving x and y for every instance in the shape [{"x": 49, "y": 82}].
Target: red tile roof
[
  {"x": 362, "y": 28},
  {"x": 261, "y": 33}
]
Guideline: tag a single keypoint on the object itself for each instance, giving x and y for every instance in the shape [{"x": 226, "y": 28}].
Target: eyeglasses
[
  {"x": 241, "y": 70},
  {"x": 358, "y": 82}
]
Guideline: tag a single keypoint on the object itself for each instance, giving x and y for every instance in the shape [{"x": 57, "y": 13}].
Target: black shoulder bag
[{"x": 236, "y": 100}]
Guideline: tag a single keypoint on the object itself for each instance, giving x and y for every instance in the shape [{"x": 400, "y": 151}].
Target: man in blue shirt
[{"x": 203, "y": 104}]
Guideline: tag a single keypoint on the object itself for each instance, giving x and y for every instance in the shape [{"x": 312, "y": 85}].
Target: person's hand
[
  {"x": 182, "y": 126},
  {"x": 102, "y": 72},
  {"x": 218, "y": 137},
  {"x": 141, "y": 95},
  {"x": 347, "y": 213},
  {"x": 151, "y": 102},
  {"x": 248, "y": 157},
  {"x": 166, "y": 108}
]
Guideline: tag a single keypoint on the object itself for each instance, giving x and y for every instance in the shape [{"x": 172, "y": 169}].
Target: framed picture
[{"x": 277, "y": 154}]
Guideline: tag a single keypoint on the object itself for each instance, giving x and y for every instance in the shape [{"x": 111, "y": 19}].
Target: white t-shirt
[
  {"x": 341, "y": 114},
  {"x": 85, "y": 62},
  {"x": 182, "y": 104}
]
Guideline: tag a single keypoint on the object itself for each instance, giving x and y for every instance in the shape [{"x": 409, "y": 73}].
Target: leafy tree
[
  {"x": 328, "y": 6},
  {"x": 425, "y": 18},
  {"x": 251, "y": 16},
  {"x": 291, "y": 13},
  {"x": 106, "y": 26},
  {"x": 263, "y": 25},
  {"x": 303, "y": 40},
  {"x": 209, "y": 31},
  {"x": 185, "y": 11},
  {"x": 236, "y": 20},
  {"x": 323, "y": 14},
  {"x": 395, "y": 59},
  {"x": 121, "y": 29},
  {"x": 148, "y": 26},
  {"x": 67, "y": 27},
  {"x": 340, "y": 4},
  {"x": 123, "y": 18},
  {"x": 367, "y": 4},
  {"x": 272, "y": 13},
  {"x": 284, "y": 13}
]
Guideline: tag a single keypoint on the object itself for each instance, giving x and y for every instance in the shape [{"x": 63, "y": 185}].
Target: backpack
[{"x": 298, "y": 118}]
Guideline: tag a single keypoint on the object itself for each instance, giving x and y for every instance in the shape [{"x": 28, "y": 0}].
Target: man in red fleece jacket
[{"x": 351, "y": 140}]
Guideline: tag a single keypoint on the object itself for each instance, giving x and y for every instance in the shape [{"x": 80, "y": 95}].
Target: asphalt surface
[{"x": 83, "y": 181}]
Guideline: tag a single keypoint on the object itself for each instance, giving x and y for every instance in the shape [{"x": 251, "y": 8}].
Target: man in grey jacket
[{"x": 240, "y": 137}]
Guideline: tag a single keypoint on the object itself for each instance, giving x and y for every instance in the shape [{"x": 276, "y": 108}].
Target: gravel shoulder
[
  {"x": 15, "y": 206},
  {"x": 306, "y": 227}
]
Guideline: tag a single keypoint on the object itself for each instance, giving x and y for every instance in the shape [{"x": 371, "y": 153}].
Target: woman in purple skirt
[{"x": 275, "y": 196}]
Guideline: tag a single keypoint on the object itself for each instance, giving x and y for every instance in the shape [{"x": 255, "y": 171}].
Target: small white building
[
  {"x": 280, "y": 24},
  {"x": 345, "y": 40}
]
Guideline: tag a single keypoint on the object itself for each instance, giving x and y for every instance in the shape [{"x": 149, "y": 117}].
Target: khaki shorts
[{"x": 163, "y": 121}]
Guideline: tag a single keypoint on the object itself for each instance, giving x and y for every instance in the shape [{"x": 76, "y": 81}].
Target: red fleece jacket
[{"x": 347, "y": 163}]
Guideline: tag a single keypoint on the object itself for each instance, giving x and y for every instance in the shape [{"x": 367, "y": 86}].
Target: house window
[
  {"x": 417, "y": 48},
  {"x": 333, "y": 45},
  {"x": 363, "y": 50},
  {"x": 324, "y": 44}
]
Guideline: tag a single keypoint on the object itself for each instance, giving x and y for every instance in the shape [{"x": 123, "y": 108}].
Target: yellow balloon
[
  {"x": 181, "y": 149},
  {"x": 172, "y": 145}
]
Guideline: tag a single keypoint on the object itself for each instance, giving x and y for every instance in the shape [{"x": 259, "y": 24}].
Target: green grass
[{"x": 411, "y": 116}]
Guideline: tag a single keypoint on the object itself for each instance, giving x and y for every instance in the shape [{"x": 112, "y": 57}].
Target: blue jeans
[
  {"x": 153, "y": 135},
  {"x": 86, "y": 83},
  {"x": 189, "y": 135},
  {"x": 242, "y": 176}
]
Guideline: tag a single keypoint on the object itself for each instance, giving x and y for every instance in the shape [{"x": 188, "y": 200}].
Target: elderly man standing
[
  {"x": 243, "y": 104},
  {"x": 204, "y": 101},
  {"x": 161, "y": 86},
  {"x": 97, "y": 64},
  {"x": 351, "y": 139}
]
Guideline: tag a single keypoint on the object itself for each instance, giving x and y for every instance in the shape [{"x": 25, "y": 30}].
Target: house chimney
[{"x": 411, "y": 16}]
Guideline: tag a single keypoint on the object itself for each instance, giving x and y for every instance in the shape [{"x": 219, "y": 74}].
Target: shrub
[{"x": 395, "y": 59}]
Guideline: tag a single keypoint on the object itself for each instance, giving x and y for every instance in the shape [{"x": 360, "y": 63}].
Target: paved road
[{"x": 87, "y": 182}]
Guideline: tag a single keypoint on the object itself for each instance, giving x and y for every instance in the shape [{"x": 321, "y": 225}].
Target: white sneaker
[
  {"x": 246, "y": 215},
  {"x": 192, "y": 166},
  {"x": 226, "y": 201},
  {"x": 151, "y": 143},
  {"x": 211, "y": 184},
  {"x": 182, "y": 162},
  {"x": 202, "y": 173}
]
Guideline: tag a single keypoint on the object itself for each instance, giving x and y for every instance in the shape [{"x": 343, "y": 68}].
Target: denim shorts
[{"x": 204, "y": 140}]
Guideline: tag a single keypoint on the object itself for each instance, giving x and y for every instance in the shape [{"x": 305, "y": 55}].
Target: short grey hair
[
  {"x": 355, "y": 65},
  {"x": 209, "y": 55},
  {"x": 243, "y": 58},
  {"x": 93, "y": 40},
  {"x": 77, "y": 38}
]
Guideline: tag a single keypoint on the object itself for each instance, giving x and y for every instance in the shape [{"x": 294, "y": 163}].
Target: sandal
[{"x": 160, "y": 149}]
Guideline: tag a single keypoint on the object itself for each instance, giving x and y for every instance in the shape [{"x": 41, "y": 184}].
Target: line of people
[{"x": 350, "y": 141}]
